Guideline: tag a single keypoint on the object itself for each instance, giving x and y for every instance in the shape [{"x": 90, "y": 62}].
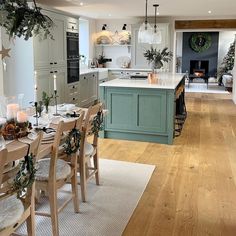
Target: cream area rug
[
  {"x": 202, "y": 88},
  {"x": 109, "y": 205}
]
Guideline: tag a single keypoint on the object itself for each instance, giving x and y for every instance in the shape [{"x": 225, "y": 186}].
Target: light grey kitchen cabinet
[
  {"x": 88, "y": 89},
  {"x": 72, "y": 95},
  {"x": 51, "y": 52},
  {"x": 45, "y": 83}
]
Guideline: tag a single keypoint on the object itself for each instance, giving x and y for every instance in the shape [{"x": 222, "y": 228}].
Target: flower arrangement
[
  {"x": 19, "y": 19},
  {"x": 157, "y": 57},
  {"x": 46, "y": 99}
]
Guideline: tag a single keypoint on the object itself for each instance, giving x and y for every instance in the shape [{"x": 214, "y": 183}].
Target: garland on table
[
  {"x": 72, "y": 142},
  {"x": 200, "y": 42},
  {"x": 25, "y": 177},
  {"x": 97, "y": 123}
]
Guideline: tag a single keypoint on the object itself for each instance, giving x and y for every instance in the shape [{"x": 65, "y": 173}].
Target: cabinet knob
[
  {"x": 73, "y": 86},
  {"x": 84, "y": 77},
  {"x": 73, "y": 99},
  {"x": 72, "y": 27}
]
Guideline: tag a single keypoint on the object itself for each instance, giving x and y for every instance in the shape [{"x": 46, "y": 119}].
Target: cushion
[
  {"x": 227, "y": 80},
  {"x": 62, "y": 169},
  {"x": 11, "y": 210}
]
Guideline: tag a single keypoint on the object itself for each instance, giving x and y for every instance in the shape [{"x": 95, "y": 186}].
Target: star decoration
[
  {"x": 5, "y": 52},
  {"x": 116, "y": 38}
]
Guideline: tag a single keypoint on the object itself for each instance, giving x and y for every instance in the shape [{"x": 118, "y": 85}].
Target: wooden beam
[{"x": 206, "y": 24}]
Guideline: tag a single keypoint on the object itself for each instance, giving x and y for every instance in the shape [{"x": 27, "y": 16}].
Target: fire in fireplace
[{"x": 199, "y": 68}]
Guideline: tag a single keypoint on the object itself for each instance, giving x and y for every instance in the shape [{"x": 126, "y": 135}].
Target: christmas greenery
[
  {"x": 97, "y": 123},
  {"x": 19, "y": 19},
  {"x": 228, "y": 61},
  {"x": 157, "y": 57},
  {"x": 25, "y": 176},
  {"x": 46, "y": 99},
  {"x": 72, "y": 142}
]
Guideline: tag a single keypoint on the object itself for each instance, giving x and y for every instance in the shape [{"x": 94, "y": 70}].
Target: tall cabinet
[{"x": 50, "y": 58}]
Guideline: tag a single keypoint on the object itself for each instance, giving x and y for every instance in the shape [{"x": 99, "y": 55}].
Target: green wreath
[{"x": 200, "y": 42}]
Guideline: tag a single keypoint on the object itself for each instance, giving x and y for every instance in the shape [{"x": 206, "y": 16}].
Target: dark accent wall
[{"x": 210, "y": 54}]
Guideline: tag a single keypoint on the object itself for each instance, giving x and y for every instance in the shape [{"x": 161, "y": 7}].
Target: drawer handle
[
  {"x": 55, "y": 71},
  {"x": 73, "y": 99},
  {"x": 51, "y": 72},
  {"x": 73, "y": 87},
  {"x": 55, "y": 63},
  {"x": 84, "y": 77},
  {"x": 51, "y": 63}
]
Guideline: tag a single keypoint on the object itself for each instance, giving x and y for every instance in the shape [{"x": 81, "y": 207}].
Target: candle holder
[
  {"x": 55, "y": 97},
  {"x": 36, "y": 114}
]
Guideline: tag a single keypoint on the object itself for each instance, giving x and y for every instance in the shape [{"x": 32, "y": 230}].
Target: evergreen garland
[
  {"x": 25, "y": 176},
  {"x": 19, "y": 19},
  {"x": 228, "y": 61},
  {"x": 72, "y": 142},
  {"x": 97, "y": 123}
]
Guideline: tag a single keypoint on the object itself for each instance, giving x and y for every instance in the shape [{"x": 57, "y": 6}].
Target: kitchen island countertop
[{"x": 165, "y": 81}]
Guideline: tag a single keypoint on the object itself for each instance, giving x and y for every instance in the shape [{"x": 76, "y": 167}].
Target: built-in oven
[
  {"x": 72, "y": 40},
  {"x": 72, "y": 71}
]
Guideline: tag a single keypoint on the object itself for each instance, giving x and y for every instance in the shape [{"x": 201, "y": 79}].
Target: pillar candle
[
  {"x": 55, "y": 82},
  {"x": 21, "y": 117},
  {"x": 12, "y": 110},
  {"x": 2, "y": 121}
]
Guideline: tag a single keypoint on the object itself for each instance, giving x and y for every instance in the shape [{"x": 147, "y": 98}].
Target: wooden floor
[{"x": 193, "y": 188}]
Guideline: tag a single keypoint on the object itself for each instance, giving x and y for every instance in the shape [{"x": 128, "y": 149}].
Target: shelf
[{"x": 113, "y": 45}]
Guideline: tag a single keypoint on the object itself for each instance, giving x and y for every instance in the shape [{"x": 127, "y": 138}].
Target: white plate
[{"x": 46, "y": 136}]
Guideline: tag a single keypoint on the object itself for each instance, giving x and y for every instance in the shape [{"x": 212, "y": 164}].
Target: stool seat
[
  {"x": 42, "y": 174},
  {"x": 11, "y": 210}
]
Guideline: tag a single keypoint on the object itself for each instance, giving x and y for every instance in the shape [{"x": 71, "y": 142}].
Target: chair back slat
[{"x": 9, "y": 161}]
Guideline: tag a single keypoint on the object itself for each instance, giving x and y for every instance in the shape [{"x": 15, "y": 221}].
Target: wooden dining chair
[
  {"x": 57, "y": 170},
  {"x": 88, "y": 154},
  {"x": 17, "y": 207}
]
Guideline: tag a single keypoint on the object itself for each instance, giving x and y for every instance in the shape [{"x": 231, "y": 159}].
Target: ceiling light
[
  {"x": 81, "y": 4},
  {"x": 145, "y": 30},
  {"x": 156, "y": 36},
  {"x": 209, "y": 12},
  {"x": 109, "y": 14},
  {"x": 104, "y": 27},
  {"x": 124, "y": 27}
]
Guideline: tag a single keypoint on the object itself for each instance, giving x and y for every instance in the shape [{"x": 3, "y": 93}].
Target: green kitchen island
[{"x": 141, "y": 111}]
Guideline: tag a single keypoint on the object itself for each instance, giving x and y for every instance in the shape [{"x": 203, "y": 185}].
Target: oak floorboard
[{"x": 193, "y": 188}]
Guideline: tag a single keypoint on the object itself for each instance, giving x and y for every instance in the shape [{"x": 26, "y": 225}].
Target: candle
[
  {"x": 2, "y": 121},
  {"x": 12, "y": 110},
  {"x": 55, "y": 82},
  {"x": 21, "y": 117},
  {"x": 35, "y": 86}
]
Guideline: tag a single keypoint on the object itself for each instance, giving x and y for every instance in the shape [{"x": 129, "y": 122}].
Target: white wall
[
  {"x": 19, "y": 71},
  {"x": 1, "y": 70},
  {"x": 225, "y": 39}
]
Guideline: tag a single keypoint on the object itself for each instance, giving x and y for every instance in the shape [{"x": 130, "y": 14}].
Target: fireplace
[{"x": 199, "y": 68}]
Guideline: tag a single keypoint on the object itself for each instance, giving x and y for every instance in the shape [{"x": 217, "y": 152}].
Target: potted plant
[
  {"x": 157, "y": 57},
  {"x": 46, "y": 100},
  {"x": 101, "y": 61}
]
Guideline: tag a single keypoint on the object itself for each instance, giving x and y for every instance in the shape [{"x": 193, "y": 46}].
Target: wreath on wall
[{"x": 200, "y": 42}]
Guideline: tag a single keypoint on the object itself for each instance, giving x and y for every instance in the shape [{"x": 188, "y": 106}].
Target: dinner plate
[{"x": 49, "y": 136}]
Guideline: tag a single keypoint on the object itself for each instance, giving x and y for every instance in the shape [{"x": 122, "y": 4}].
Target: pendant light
[
  {"x": 145, "y": 31},
  {"x": 156, "y": 36}
]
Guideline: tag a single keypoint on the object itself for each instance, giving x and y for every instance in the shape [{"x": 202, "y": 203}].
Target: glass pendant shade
[
  {"x": 156, "y": 37},
  {"x": 145, "y": 33}
]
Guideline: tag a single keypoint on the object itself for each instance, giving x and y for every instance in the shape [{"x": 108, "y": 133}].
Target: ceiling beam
[{"x": 205, "y": 24}]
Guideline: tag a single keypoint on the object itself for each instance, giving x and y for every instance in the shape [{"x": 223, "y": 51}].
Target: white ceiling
[{"x": 100, "y": 9}]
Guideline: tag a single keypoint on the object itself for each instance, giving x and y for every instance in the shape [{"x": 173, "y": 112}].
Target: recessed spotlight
[
  {"x": 81, "y": 4},
  {"x": 209, "y": 12},
  {"x": 109, "y": 14},
  {"x": 158, "y": 13}
]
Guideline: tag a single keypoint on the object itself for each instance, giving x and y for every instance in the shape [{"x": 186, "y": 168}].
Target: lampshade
[
  {"x": 145, "y": 30},
  {"x": 145, "y": 33},
  {"x": 156, "y": 35}
]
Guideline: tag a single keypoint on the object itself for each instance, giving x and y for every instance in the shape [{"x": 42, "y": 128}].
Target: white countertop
[
  {"x": 92, "y": 70},
  {"x": 165, "y": 81}
]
